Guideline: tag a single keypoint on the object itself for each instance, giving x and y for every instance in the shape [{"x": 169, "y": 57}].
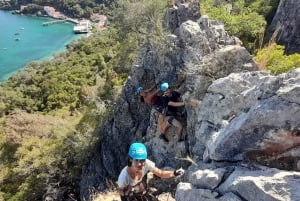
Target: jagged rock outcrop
[
  {"x": 242, "y": 183},
  {"x": 255, "y": 114},
  {"x": 180, "y": 13},
  {"x": 240, "y": 122},
  {"x": 247, "y": 120},
  {"x": 286, "y": 25}
]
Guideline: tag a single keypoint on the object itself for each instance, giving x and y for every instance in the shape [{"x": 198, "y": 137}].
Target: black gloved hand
[{"x": 178, "y": 172}]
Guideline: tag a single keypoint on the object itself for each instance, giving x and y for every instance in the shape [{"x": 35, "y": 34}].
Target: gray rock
[
  {"x": 267, "y": 185},
  {"x": 186, "y": 192},
  {"x": 230, "y": 197},
  {"x": 265, "y": 126},
  {"x": 206, "y": 178}
]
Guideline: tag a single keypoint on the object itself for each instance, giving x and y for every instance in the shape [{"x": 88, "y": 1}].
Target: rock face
[
  {"x": 241, "y": 123},
  {"x": 258, "y": 117},
  {"x": 287, "y": 23}
]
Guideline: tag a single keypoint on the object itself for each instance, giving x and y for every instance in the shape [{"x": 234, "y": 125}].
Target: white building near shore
[{"x": 84, "y": 26}]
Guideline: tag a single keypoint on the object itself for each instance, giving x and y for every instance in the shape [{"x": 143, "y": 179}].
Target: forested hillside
[
  {"x": 72, "y": 8},
  {"x": 51, "y": 111}
]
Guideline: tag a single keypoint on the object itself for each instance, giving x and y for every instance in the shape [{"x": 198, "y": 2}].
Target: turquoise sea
[{"x": 24, "y": 39}]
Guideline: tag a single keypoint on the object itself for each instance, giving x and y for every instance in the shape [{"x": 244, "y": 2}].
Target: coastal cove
[{"x": 24, "y": 39}]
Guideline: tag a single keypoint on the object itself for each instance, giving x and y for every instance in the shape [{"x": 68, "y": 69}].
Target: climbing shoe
[
  {"x": 180, "y": 140},
  {"x": 163, "y": 137}
]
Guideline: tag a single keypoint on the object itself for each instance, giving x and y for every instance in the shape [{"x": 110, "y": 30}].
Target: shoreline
[
  {"x": 51, "y": 13},
  {"x": 97, "y": 21}
]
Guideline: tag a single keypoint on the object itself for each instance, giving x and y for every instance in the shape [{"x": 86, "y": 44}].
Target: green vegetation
[
  {"x": 65, "y": 89},
  {"x": 51, "y": 112},
  {"x": 245, "y": 19},
  {"x": 54, "y": 154},
  {"x": 248, "y": 21},
  {"x": 272, "y": 58},
  {"x": 72, "y": 8}
]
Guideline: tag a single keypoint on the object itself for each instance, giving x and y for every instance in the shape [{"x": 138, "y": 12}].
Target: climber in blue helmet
[
  {"x": 171, "y": 102},
  {"x": 148, "y": 96},
  {"x": 130, "y": 181},
  {"x": 139, "y": 89}
]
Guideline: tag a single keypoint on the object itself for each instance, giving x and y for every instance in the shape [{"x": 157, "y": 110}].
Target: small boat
[
  {"x": 17, "y": 39},
  {"x": 17, "y": 34},
  {"x": 22, "y": 28}
]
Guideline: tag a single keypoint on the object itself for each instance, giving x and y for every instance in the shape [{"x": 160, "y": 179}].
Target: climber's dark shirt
[{"x": 174, "y": 98}]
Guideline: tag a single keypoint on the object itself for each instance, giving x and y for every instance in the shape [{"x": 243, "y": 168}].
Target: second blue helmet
[{"x": 164, "y": 86}]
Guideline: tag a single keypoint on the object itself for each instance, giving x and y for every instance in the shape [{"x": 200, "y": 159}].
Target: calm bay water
[{"x": 24, "y": 39}]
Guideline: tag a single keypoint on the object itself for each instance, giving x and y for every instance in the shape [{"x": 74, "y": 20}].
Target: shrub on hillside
[
  {"x": 244, "y": 19},
  {"x": 273, "y": 59}
]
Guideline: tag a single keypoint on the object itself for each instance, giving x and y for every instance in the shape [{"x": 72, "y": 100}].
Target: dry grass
[
  {"x": 114, "y": 196},
  {"x": 107, "y": 196},
  {"x": 262, "y": 65},
  {"x": 20, "y": 125}
]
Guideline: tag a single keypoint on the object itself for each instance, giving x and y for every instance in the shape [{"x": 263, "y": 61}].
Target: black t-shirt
[{"x": 174, "y": 98}]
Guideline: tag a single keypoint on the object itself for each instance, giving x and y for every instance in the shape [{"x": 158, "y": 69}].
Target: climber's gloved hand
[{"x": 178, "y": 172}]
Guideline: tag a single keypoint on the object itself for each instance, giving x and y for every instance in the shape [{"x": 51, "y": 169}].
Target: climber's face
[
  {"x": 139, "y": 164},
  {"x": 142, "y": 93}
]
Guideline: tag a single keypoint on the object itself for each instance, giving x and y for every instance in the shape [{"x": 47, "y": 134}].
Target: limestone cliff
[
  {"x": 242, "y": 125},
  {"x": 286, "y": 25}
]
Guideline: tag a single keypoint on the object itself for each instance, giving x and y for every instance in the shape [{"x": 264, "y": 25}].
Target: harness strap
[
  {"x": 170, "y": 119},
  {"x": 145, "y": 196}
]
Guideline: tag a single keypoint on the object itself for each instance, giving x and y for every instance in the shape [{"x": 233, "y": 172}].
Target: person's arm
[
  {"x": 122, "y": 184},
  {"x": 167, "y": 173},
  {"x": 163, "y": 173},
  {"x": 150, "y": 94},
  {"x": 152, "y": 88},
  {"x": 176, "y": 104}
]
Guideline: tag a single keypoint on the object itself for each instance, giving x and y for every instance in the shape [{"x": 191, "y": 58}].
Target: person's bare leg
[
  {"x": 179, "y": 127},
  {"x": 165, "y": 128}
]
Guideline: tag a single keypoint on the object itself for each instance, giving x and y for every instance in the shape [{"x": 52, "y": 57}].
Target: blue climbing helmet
[
  {"x": 139, "y": 89},
  {"x": 137, "y": 151},
  {"x": 164, "y": 86}
]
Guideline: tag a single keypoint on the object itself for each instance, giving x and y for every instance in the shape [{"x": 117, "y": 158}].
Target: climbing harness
[
  {"x": 133, "y": 193},
  {"x": 145, "y": 196}
]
